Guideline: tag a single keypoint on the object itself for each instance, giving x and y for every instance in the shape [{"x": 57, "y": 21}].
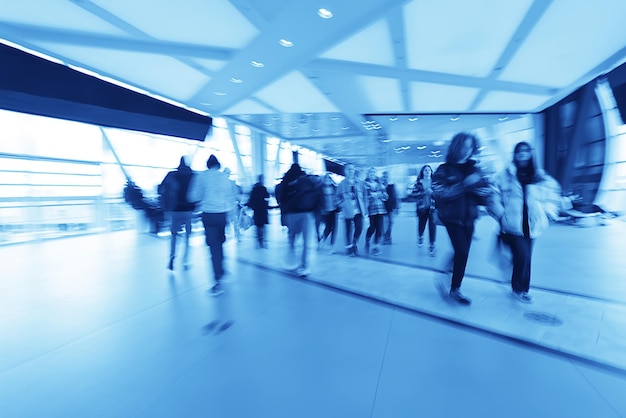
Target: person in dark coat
[
  {"x": 173, "y": 191},
  {"x": 459, "y": 187},
  {"x": 258, "y": 202}
]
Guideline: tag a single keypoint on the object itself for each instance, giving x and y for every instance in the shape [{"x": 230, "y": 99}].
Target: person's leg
[
  {"x": 214, "y": 227},
  {"x": 175, "y": 223},
  {"x": 358, "y": 229},
  {"x": 369, "y": 232},
  {"x": 378, "y": 228},
  {"x": 432, "y": 233},
  {"x": 421, "y": 227},
  {"x": 306, "y": 222},
  {"x": 187, "y": 222},
  {"x": 461, "y": 239},
  {"x": 349, "y": 234},
  {"x": 388, "y": 226},
  {"x": 332, "y": 221},
  {"x": 521, "y": 248}
]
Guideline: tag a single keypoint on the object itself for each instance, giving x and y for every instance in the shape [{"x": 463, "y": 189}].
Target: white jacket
[
  {"x": 213, "y": 191},
  {"x": 506, "y": 204}
]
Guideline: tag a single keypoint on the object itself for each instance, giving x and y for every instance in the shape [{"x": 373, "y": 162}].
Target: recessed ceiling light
[
  {"x": 236, "y": 80},
  {"x": 420, "y": 147},
  {"x": 503, "y": 118},
  {"x": 286, "y": 43},
  {"x": 413, "y": 119},
  {"x": 325, "y": 13},
  {"x": 393, "y": 118},
  {"x": 257, "y": 64},
  {"x": 454, "y": 118},
  {"x": 219, "y": 93}
]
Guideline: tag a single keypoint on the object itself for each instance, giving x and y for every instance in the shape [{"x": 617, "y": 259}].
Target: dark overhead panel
[{"x": 30, "y": 84}]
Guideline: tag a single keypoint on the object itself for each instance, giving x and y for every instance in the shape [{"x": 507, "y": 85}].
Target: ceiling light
[
  {"x": 219, "y": 93},
  {"x": 286, "y": 43},
  {"x": 421, "y": 147},
  {"x": 236, "y": 80},
  {"x": 503, "y": 118},
  {"x": 257, "y": 64},
  {"x": 393, "y": 118},
  {"x": 413, "y": 119},
  {"x": 454, "y": 118},
  {"x": 325, "y": 13}
]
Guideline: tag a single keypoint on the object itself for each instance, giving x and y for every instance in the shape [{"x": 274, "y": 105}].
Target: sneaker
[
  {"x": 432, "y": 250},
  {"x": 522, "y": 296},
  {"x": 420, "y": 241},
  {"x": 355, "y": 250},
  {"x": 303, "y": 271},
  {"x": 458, "y": 296},
  {"x": 376, "y": 251},
  {"x": 216, "y": 290}
]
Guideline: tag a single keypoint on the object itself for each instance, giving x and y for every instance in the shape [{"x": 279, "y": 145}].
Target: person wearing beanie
[
  {"x": 214, "y": 193},
  {"x": 173, "y": 192}
]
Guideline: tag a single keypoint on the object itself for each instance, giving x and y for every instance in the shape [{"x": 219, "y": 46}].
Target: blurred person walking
[
  {"x": 351, "y": 197},
  {"x": 391, "y": 206},
  {"x": 259, "y": 203},
  {"x": 525, "y": 200},
  {"x": 329, "y": 211},
  {"x": 300, "y": 195},
  {"x": 459, "y": 187},
  {"x": 376, "y": 196},
  {"x": 215, "y": 195},
  {"x": 425, "y": 208},
  {"x": 173, "y": 191}
]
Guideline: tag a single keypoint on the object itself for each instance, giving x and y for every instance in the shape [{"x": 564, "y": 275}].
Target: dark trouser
[
  {"x": 214, "y": 231},
  {"x": 178, "y": 219},
  {"x": 330, "y": 221},
  {"x": 260, "y": 235},
  {"x": 375, "y": 228},
  {"x": 358, "y": 228},
  {"x": 461, "y": 239},
  {"x": 388, "y": 225},
  {"x": 422, "y": 219},
  {"x": 521, "y": 249}
]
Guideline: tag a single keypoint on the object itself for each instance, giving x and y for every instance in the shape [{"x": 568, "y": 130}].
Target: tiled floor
[{"x": 95, "y": 326}]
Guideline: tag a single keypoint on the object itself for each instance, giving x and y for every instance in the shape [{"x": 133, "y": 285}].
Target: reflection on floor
[{"x": 96, "y": 326}]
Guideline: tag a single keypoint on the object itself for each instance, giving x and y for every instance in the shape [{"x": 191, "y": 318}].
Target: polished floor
[{"x": 95, "y": 326}]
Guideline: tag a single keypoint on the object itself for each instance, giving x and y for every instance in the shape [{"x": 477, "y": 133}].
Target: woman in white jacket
[{"x": 526, "y": 199}]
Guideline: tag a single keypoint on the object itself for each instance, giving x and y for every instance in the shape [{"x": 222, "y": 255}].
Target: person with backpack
[
  {"x": 173, "y": 191},
  {"x": 299, "y": 196}
]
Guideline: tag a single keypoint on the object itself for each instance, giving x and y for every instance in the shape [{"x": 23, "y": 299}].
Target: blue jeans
[{"x": 214, "y": 231}]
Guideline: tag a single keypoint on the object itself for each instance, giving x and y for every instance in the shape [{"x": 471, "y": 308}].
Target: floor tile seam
[
  {"x": 600, "y": 363},
  {"x": 93, "y": 333}
]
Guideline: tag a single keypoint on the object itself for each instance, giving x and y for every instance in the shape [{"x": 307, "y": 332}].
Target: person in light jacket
[
  {"x": 214, "y": 192},
  {"x": 351, "y": 196},
  {"x": 526, "y": 199}
]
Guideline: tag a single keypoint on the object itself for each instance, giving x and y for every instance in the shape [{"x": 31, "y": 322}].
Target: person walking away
[
  {"x": 391, "y": 206},
  {"x": 259, "y": 203},
  {"x": 233, "y": 216},
  {"x": 329, "y": 210},
  {"x": 525, "y": 200},
  {"x": 425, "y": 207},
  {"x": 215, "y": 194},
  {"x": 300, "y": 195},
  {"x": 351, "y": 196},
  {"x": 459, "y": 187},
  {"x": 173, "y": 191},
  {"x": 376, "y": 197}
]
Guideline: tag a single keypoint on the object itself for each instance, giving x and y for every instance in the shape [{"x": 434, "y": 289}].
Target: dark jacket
[
  {"x": 299, "y": 192},
  {"x": 391, "y": 203},
  {"x": 457, "y": 203},
  {"x": 258, "y": 202},
  {"x": 173, "y": 189}
]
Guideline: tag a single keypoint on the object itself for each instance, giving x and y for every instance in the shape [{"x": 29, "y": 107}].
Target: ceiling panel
[
  {"x": 295, "y": 93},
  {"x": 501, "y": 101},
  {"x": 552, "y": 54},
  {"x": 436, "y": 98},
  {"x": 62, "y": 14},
  {"x": 457, "y": 37},
  {"x": 382, "y": 94},
  {"x": 206, "y": 22},
  {"x": 372, "y": 45}
]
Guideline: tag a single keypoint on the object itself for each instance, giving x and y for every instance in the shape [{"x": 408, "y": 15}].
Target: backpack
[
  {"x": 169, "y": 190},
  {"x": 307, "y": 194}
]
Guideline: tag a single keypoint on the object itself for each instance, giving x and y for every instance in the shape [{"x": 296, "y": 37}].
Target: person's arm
[
  {"x": 443, "y": 189},
  {"x": 551, "y": 199},
  {"x": 195, "y": 192}
]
